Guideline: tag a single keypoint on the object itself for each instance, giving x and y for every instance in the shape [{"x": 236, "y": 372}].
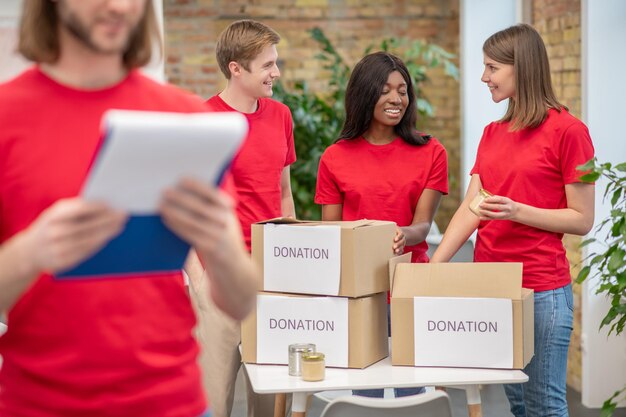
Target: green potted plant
[{"x": 609, "y": 264}]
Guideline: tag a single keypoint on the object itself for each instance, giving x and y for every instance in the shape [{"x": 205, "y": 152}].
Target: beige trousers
[{"x": 219, "y": 337}]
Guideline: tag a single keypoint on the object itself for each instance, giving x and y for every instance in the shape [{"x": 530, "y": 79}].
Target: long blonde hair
[{"x": 522, "y": 46}]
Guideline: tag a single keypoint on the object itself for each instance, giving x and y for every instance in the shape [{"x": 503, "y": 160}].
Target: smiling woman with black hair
[{"x": 381, "y": 167}]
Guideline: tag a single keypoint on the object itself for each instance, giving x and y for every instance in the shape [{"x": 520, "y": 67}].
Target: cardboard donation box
[
  {"x": 351, "y": 332},
  {"x": 473, "y": 315},
  {"x": 347, "y": 259}
]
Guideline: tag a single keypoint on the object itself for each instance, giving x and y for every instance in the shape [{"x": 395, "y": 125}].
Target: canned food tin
[{"x": 295, "y": 352}]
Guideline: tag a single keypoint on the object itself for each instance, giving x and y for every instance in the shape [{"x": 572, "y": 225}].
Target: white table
[{"x": 275, "y": 379}]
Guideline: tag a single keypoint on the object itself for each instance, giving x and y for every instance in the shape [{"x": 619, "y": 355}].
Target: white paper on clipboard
[{"x": 146, "y": 152}]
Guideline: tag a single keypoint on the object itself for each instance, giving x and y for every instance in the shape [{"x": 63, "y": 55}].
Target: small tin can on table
[{"x": 295, "y": 353}]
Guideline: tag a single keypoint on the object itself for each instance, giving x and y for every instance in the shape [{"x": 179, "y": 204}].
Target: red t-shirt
[
  {"x": 256, "y": 170},
  {"x": 531, "y": 166},
  {"x": 381, "y": 182},
  {"x": 87, "y": 347}
]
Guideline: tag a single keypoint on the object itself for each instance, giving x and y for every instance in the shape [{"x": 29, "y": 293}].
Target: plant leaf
[
  {"x": 596, "y": 259},
  {"x": 617, "y": 225},
  {"x": 591, "y": 177},
  {"x": 587, "y": 242},
  {"x": 582, "y": 275},
  {"x": 590, "y": 164},
  {"x": 617, "y": 260}
]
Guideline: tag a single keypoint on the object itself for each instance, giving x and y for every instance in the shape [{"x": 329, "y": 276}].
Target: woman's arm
[
  {"x": 576, "y": 219},
  {"x": 417, "y": 231},
  {"x": 461, "y": 227},
  {"x": 288, "y": 208},
  {"x": 332, "y": 212}
]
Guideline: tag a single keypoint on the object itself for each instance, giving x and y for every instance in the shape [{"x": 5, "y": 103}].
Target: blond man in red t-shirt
[{"x": 259, "y": 176}]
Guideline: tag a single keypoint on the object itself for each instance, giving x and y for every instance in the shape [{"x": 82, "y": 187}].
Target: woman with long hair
[
  {"x": 381, "y": 167},
  {"x": 537, "y": 197}
]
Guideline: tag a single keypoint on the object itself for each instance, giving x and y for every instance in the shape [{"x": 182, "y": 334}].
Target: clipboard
[{"x": 142, "y": 154}]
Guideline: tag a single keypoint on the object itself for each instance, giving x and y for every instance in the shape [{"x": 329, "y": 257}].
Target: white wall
[
  {"x": 604, "y": 90},
  {"x": 479, "y": 19},
  {"x": 9, "y": 7}
]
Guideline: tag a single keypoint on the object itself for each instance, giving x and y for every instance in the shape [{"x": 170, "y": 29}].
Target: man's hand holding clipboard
[{"x": 161, "y": 167}]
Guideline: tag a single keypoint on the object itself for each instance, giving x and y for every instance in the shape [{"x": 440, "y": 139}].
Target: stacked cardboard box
[{"x": 323, "y": 283}]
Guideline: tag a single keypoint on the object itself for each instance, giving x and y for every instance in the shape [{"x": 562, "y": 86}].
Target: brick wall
[
  {"x": 558, "y": 21},
  {"x": 192, "y": 27}
]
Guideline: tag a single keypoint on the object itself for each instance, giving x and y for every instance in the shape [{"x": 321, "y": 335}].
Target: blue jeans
[
  {"x": 207, "y": 413},
  {"x": 398, "y": 392},
  {"x": 544, "y": 393}
]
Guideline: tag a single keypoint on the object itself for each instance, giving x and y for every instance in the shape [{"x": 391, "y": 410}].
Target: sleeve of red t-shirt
[
  {"x": 326, "y": 189},
  {"x": 438, "y": 179},
  {"x": 476, "y": 168},
  {"x": 291, "y": 150},
  {"x": 576, "y": 148}
]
